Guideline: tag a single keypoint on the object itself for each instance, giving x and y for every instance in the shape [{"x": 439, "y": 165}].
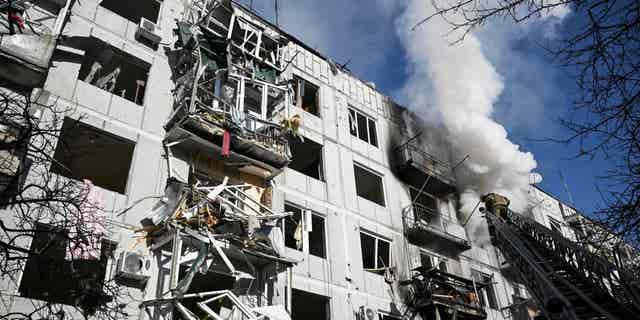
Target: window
[
  {"x": 486, "y": 294},
  {"x": 307, "y": 239},
  {"x": 134, "y": 10},
  {"x": 369, "y": 185},
  {"x": 114, "y": 70},
  {"x": 49, "y": 276},
  {"x": 85, "y": 152},
  {"x": 309, "y": 306},
  {"x": 376, "y": 252},
  {"x": 363, "y": 127},
  {"x": 307, "y": 158},
  {"x": 307, "y": 96}
]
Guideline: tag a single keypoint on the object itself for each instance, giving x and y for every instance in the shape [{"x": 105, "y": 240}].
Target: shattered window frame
[
  {"x": 377, "y": 264},
  {"x": 307, "y": 237},
  {"x": 371, "y": 130},
  {"x": 300, "y": 84}
]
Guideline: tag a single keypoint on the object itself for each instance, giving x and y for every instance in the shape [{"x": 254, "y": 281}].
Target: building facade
[{"x": 366, "y": 201}]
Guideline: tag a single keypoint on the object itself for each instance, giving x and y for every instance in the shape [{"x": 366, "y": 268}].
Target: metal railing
[
  {"x": 418, "y": 218},
  {"x": 410, "y": 153}
]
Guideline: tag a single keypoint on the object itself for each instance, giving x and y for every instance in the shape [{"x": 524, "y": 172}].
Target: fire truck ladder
[{"x": 567, "y": 280}]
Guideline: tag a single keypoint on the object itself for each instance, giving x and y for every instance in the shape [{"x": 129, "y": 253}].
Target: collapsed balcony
[
  {"x": 440, "y": 295},
  {"x": 415, "y": 166},
  {"x": 424, "y": 226},
  {"x": 28, "y": 37},
  {"x": 219, "y": 239}
]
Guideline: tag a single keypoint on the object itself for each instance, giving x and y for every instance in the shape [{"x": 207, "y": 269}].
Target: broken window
[
  {"x": 376, "y": 252},
  {"x": 309, "y": 306},
  {"x": 486, "y": 294},
  {"x": 307, "y": 96},
  {"x": 363, "y": 127},
  {"x": 134, "y": 10},
  {"x": 253, "y": 98},
  {"x": 85, "y": 152},
  {"x": 431, "y": 261},
  {"x": 369, "y": 185},
  {"x": 50, "y": 277},
  {"x": 115, "y": 71},
  {"x": 307, "y": 158},
  {"x": 424, "y": 205},
  {"x": 310, "y": 238}
]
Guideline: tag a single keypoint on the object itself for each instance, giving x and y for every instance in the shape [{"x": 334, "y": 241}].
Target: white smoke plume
[{"x": 459, "y": 85}]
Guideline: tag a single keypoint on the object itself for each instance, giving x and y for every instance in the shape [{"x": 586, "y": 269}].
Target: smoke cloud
[{"x": 458, "y": 86}]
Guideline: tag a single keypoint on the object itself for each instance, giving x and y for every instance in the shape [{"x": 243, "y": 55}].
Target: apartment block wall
[{"x": 340, "y": 276}]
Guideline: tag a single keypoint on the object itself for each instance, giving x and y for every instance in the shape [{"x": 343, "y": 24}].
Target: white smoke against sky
[{"x": 461, "y": 86}]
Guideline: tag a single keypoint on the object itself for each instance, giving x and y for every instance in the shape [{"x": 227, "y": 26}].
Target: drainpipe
[{"x": 289, "y": 288}]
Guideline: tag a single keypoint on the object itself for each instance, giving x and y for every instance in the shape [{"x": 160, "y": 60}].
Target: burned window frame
[
  {"x": 299, "y": 83},
  {"x": 306, "y": 236},
  {"x": 354, "y": 128},
  {"x": 383, "y": 200},
  {"x": 377, "y": 266}
]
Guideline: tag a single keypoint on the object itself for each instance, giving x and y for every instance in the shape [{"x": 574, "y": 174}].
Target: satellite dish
[{"x": 535, "y": 178}]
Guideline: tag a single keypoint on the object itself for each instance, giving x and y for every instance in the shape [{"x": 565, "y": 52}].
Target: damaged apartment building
[{"x": 241, "y": 174}]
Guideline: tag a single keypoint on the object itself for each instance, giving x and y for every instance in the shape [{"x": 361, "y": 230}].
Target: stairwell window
[
  {"x": 309, "y": 238},
  {"x": 134, "y": 10},
  {"x": 363, "y": 127},
  {"x": 487, "y": 293},
  {"x": 376, "y": 252},
  {"x": 369, "y": 184}
]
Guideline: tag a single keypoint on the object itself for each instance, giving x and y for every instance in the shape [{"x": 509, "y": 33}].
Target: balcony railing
[
  {"x": 415, "y": 165},
  {"x": 423, "y": 225},
  {"x": 432, "y": 288}
]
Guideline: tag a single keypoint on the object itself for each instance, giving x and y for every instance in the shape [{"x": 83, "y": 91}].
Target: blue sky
[{"x": 536, "y": 92}]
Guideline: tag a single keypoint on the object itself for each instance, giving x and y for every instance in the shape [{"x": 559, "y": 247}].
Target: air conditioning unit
[
  {"x": 133, "y": 266},
  {"x": 149, "y": 31},
  {"x": 366, "y": 313}
]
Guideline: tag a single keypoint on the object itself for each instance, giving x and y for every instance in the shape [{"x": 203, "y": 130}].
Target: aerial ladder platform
[{"x": 566, "y": 278}]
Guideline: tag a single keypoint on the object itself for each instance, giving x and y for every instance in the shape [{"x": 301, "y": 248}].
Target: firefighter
[{"x": 497, "y": 204}]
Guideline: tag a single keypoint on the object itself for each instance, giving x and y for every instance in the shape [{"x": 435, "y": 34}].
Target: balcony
[
  {"x": 448, "y": 293},
  {"x": 424, "y": 227},
  {"x": 414, "y": 166},
  {"x": 27, "y": 45},
  {"x": 257, "y": 145}
]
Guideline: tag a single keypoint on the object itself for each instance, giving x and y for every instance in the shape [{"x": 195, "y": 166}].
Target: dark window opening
[
  {"x": 307, "y": 96},
  {"x": 85, "y": 152},
  {"x": 253, "y": 98},
  {"x": 115, "y": 71},
  {"x": 316, "y": 237},
  {"x": 369, "y": 185},
  {"x": 49, "y": 276},
  {"x": 425, "y": 261},
  {"x": 134, "y": 10},
  {"x": 442, "y": 266},
  {"x": 363, "y": 127},
  {"x": 210, "y": 281},
  {"x": 309, "y": 306},
  {"x": 375, "y": 253},
  {"x": 307, "y": 158},
  {"x": 293, "y": 228}
]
